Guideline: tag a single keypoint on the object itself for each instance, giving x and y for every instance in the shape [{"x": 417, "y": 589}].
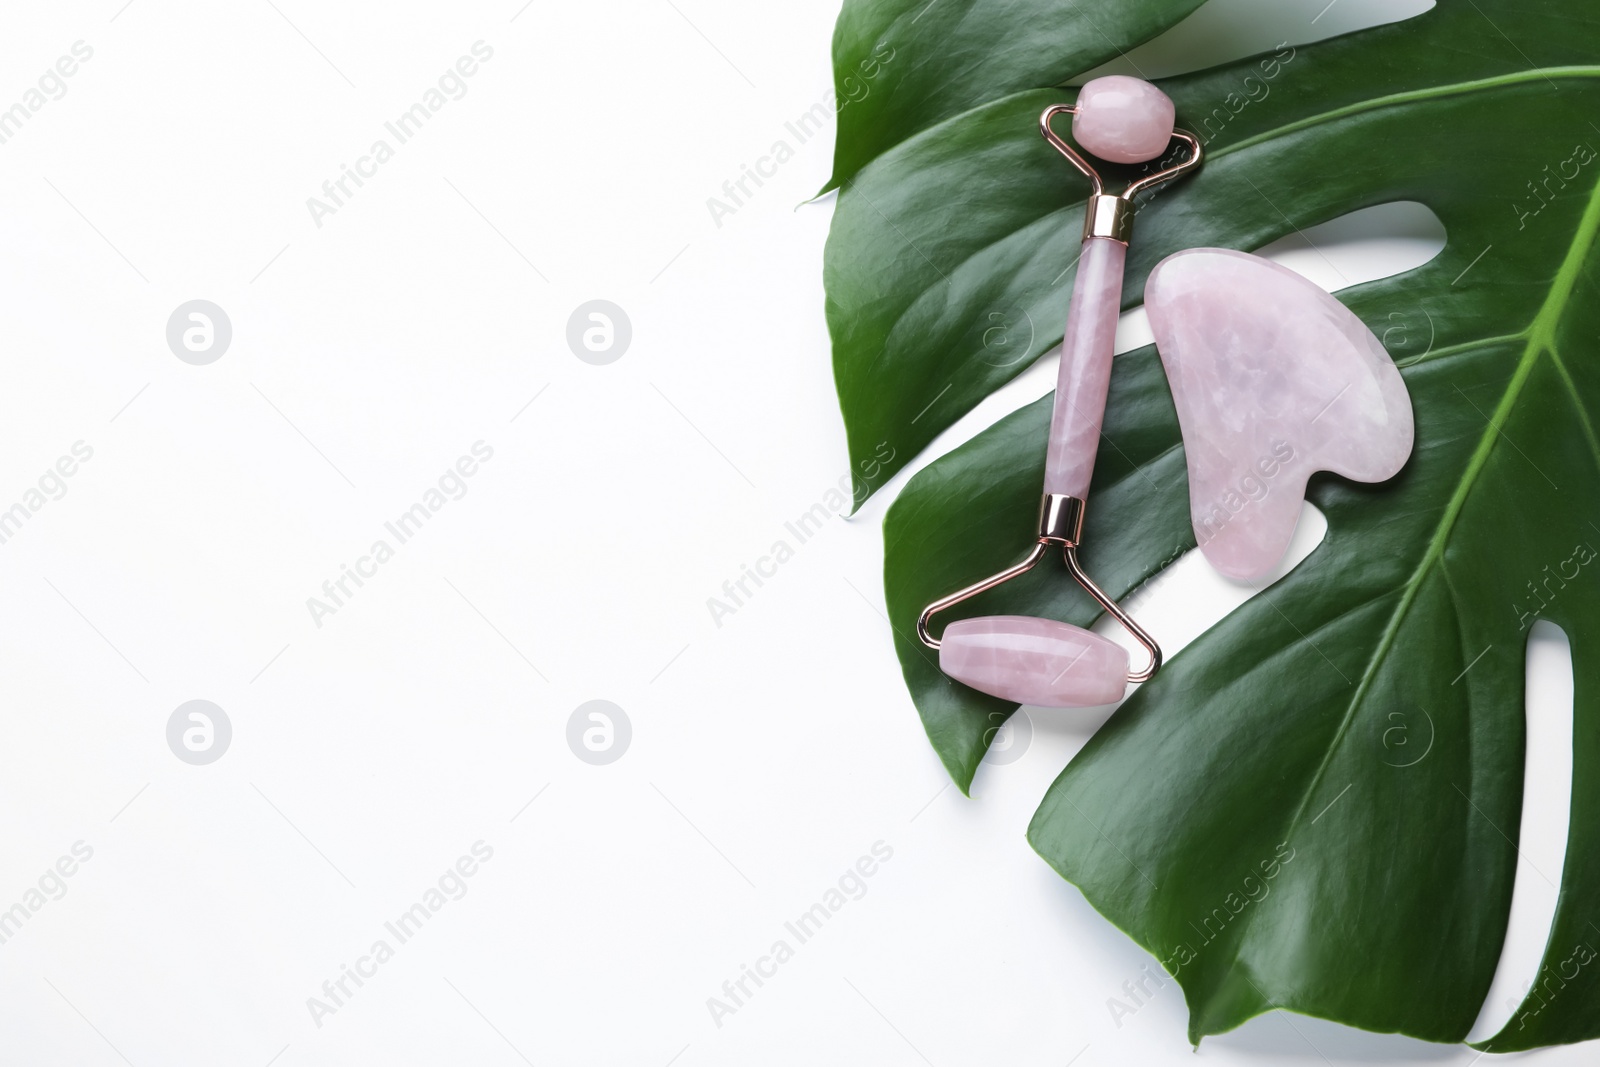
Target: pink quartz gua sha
[
  {"x": 1273, "y": 380},
  {"x": 1041, "y": 661}
]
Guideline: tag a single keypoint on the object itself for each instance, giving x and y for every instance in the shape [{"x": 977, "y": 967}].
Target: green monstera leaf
[
  {"x": 993, "y": 49},
  {"x": 1240, "y": 816}
]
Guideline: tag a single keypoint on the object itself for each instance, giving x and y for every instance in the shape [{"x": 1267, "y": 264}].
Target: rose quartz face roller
[{"x": 1041, "y": 661}]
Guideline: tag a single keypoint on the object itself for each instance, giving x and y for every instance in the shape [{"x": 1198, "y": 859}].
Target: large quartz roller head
[
  {"x": 1041, "y": 662},
  {"x": 1123, "y": 119}
]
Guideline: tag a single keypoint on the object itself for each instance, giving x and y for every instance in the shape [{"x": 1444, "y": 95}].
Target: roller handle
[{"x": 1085, "y": 374}]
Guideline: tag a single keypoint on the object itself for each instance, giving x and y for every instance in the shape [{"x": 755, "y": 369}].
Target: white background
[{"x": 369, "y": 753}]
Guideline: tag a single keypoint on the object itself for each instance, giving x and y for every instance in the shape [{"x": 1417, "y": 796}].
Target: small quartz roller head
[{"x": 1123, "y": 119}]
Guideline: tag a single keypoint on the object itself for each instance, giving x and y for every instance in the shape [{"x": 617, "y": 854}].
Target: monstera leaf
[
  {"x": 990, "y": 51},
  {"x": 1246, "y": 816}
]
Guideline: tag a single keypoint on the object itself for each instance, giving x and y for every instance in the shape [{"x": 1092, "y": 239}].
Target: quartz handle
[{"x": 1085, "y": 375}]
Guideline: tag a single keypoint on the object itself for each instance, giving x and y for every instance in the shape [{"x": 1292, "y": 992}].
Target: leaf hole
[
  {"x": 1546, "y": 808},
  {"x": 1186, "y": 599},
  {"x": 1224, "y": 31},
  {"x": 1353, "y": 249},
  {"x": 1362, "y": 246}
]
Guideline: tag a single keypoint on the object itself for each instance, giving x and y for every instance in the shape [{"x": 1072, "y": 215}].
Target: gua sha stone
[
  {"x": 1273, "y": 379},
  {"x": 1034, "y": 661},
  {"x": 1123, "y": 120}
]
